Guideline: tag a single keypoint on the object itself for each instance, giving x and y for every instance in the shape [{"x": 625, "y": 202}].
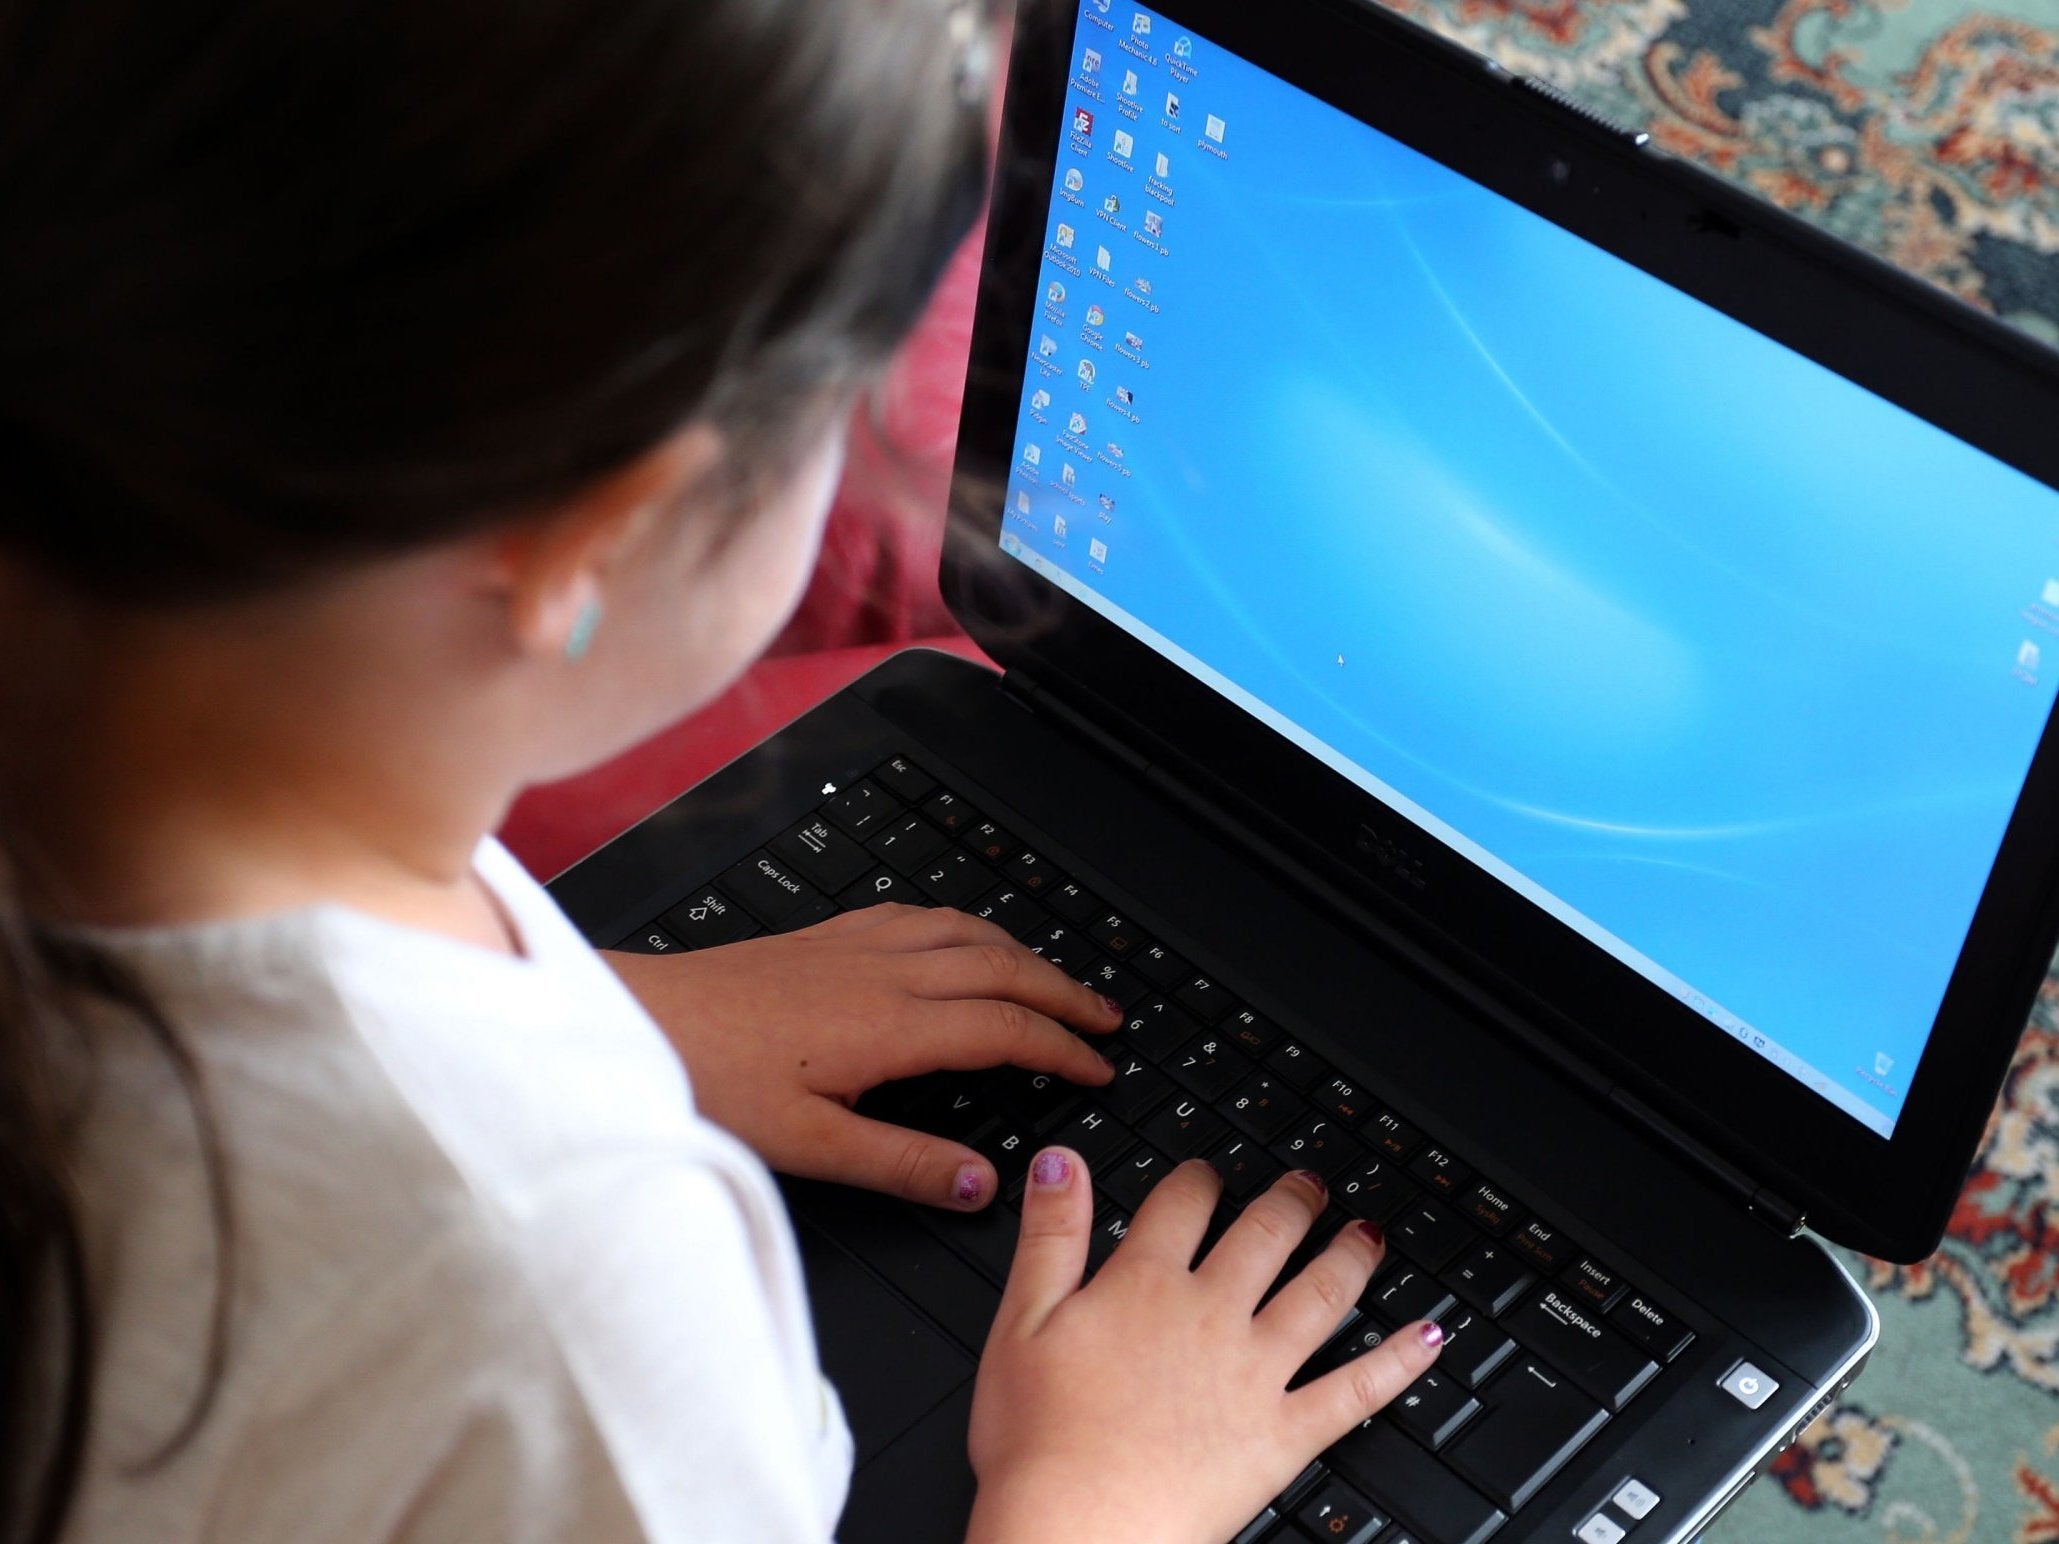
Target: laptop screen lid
[{"x": 1595, "y": 568}]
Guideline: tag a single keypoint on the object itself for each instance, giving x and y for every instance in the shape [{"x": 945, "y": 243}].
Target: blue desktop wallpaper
[{"x": 1737, "y": 663}]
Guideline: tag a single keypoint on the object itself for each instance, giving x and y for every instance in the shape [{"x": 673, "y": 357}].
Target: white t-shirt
[{"x": 496, "y": 1279}]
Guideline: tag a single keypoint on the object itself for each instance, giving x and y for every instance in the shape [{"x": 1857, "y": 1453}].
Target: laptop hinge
[
  {"x": 1769, "y": 1207},
  {"x": 1023, "y": 690}
]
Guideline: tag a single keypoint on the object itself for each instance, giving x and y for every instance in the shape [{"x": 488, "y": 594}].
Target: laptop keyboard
[{"x": 1546, "y": 1341}]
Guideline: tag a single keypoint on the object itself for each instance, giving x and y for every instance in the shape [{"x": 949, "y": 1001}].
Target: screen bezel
[{"x": 1933, "y": 355}]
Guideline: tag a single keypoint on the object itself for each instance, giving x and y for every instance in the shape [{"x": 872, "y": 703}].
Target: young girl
[{"x": 402, "y": 401}]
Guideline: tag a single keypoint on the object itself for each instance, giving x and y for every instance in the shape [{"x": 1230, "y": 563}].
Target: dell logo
[{"x": 1391, "y": 856}]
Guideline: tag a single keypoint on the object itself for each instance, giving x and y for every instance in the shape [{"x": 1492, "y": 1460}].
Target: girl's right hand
[{"x": 1151, "y": 1405}]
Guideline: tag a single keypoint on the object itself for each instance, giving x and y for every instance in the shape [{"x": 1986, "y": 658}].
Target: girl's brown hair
[{"x": 288, "y": 284}]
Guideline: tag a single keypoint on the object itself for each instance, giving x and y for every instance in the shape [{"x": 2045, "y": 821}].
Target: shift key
[{"x": 1569, "y": 1334}]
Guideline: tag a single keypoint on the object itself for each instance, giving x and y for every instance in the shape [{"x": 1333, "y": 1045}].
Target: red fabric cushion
[{"x": 552, "y": 826}]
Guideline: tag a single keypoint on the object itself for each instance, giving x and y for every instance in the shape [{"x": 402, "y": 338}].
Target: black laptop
[{"x": 1528, "y": 673}]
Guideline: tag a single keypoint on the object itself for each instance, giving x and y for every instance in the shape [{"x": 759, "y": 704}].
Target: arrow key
[{"x": 1338, "y": 1512}]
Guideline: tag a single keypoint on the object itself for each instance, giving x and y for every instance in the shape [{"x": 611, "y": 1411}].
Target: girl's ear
[{"x": 553, "y": 569}]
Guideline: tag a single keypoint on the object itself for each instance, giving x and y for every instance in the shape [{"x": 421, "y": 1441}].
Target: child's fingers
[
  {"x": 1303, "y": 1313},
  {"x": 1249, "y": 1257},
  {"x": 1000, "y": 968},
  {"x": 1173, "y": 1220},
  {"x": 1326, "y": 1409},
  {"x": 966, "y": 1036},
  {"x": 873, "y": 1155},
  {"x": 1051, "y": 1251}
]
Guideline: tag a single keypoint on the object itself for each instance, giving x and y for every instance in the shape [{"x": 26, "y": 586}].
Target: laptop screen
[{"x": 1724, "y": 662}]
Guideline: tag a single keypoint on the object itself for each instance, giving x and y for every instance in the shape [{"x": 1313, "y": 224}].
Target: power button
[{"x": 1749, "y": 1386}]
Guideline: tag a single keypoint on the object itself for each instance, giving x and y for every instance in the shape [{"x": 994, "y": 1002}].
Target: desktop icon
[
  {"x": 1083, "y": 123},
  {"x": 1096, "y": 316},
  {"x": 1097, "y": 549},
  {"x": 1087, "y": 372},
  {"x": 1068, "y": 475},
  {"x": 1040, "y": 401},
  {"x": 2027, "y": 655},
  {"x": 1065, "y": 235},
  {"x": 1140, "y": 25},
  {"x": 1047, "y": 347},
  {"x": 1075, "y": 179},
  {"x": 2051, "y": 593},
  {"x": 1090, "y": 62},
  {"x": 1058, "y": 526},
  {"x": 1104, "y": 259},
  {"x": 1215, "y": 128},
  {"x": 1131, "y": 340},
  {"x": 1164, "y": 166},
  {"x": 1154, "y": 223},
  {"x": 1130, "y": 84},
  {"x": 1125, "y": 396},
  {"x": 1111, "y": 205},
  {"x": 1172, "y": 104},
  {"x": 1022, "y": 503},
  {"x": 1033, "y": 455},
  {"x": 1183, "y": 49},
  {"x": 1107, "y": 503},
  {"x": 1125, "y": 144},
  {"x": 1883, "y": 1064},
  {"x": 1102, "y": 6},
  {"x": 1077, "y": 424},
  {"x": 1114, "y": 451},
  {"x": 1143, "y": 286},
  {"x": 1055, "y": 294}
]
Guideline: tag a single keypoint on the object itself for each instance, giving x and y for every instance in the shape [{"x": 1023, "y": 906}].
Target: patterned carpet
[{"x": 1927, "y": 130}]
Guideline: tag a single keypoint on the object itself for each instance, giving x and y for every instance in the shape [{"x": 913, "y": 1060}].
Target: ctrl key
[{"x": 1337, "y": 1512}]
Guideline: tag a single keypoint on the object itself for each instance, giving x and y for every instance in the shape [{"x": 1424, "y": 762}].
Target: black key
[
  {"x": 904, "y": 780},
  {"x": 1075, "y": 903},
  {"x": 1059, "y": 944},
  {"x": 1130, "y": 1178},
  {"x": 1392, "y": 1135},
  {"x": 1429, "y": 1232},
  {"x": 1246, "y": 1168},
  {"x": 953, "y": 878},
  {"x": 1403, "y": 1293},
  {"x": 1344, "y": 1099},
  {"x": 1037, "y": 1099},
  {"x": 650, "y": 940},
  {"x": 1340, "y": 1514},
  {"x": 1535, "y": 1421},
  {"x": 1317, "y": 1142},
  {"x": 985, "y": 1238},
  {"x": 1033, "y": 872},
  {"x": 862, "y": 808},
  {"x": 1113, "y": 981},
  {"x": 1360, "y": 1335},
  {"x": 1160, "y": 966},
  {"x": 1374, "y": 1188},
  {"x": 1006, "y": 906},
  {"x": 1489, "y": 1207},
  {"x": 1250, "y": 1034},
  {"x": 1566, "y": 1332},
  {"x": 1474, "y": 1346},
  {"x": 1403, "y": 1478},
  {"x": 1593, "y": 1283},
  {"x": 1433, "y": 1408},
  {"x": 1156, "y": 1029},
  {"x": 950, "y": 813},
  {"x": 1491, "y": 1276},
  {"x": 989, "y": 842},
  {"x": 1094, "y": 1134},
  {"x": 767, "y": 888},
  {"x": 1110, "y": 1229},
  {"x": 821, "y": 909},
  {"x": 822, "y": 855},
  {"x": 1204, "y": 998},
  {"x": 1006, "y": 1144},
  {"x": 1652, "y": 1327},
  {"x": 878, "y": 888},
  {"x": 1300, "y": 1066},
  {"x": 1262, "y": 1107},
  {"x": 1116, "y": 934},
  {"x": 1138, "y": 1089},
  {"x": 905, "y": 845},
  {"x": 1207, "y": 1066},
  {"x": 1547, "y": 1247},
  {"x": 959, "y": 1110},
  {"x": 1259, "y": 1528},
  {"x": 705, "y": 918},
  {"x": 957, "y": 1295},
  {"x": 1440, "y": 1173},
  {"x": 1186, "y": 1128}
]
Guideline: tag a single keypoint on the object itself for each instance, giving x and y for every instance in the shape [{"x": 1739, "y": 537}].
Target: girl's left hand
[{"x": 782, "y": 1034}]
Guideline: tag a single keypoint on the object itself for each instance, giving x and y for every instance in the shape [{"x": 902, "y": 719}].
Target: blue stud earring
[{"x": 581, "y": 637}]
